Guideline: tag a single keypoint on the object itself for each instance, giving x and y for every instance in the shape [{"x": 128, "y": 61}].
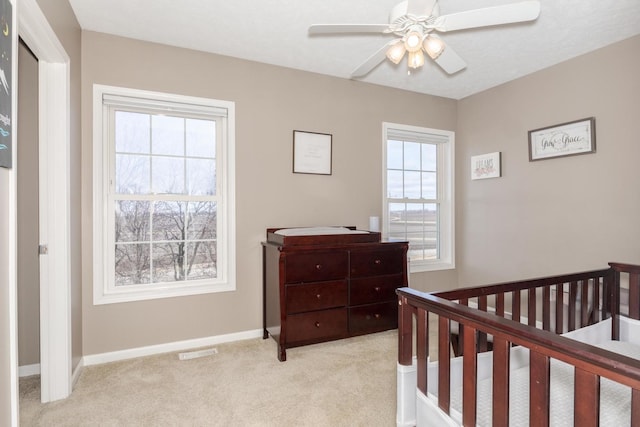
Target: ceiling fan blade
[
  {"x": 372, "y": 62},
  {"x": 498, "y": 15},
  {"x": 347, "y": 28},
  {"x": 420, "y": 7},
  {"x": 449, "y": 60}
]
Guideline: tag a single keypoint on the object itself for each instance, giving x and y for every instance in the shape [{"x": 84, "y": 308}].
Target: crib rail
[
  {"x": 583, "y": 291},
  {"x": 558, "y": 304}
]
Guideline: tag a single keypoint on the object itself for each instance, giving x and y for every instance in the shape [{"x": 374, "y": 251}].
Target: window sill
[
  {"x": 130, "y": 295},
  {"x": 421, "y": 266}
]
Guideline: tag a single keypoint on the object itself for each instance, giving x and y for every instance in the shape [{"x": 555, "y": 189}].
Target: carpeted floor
[{"x": 349, "y": 382}]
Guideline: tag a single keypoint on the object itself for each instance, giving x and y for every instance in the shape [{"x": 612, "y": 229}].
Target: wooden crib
[{"x": 527, "y": 318}]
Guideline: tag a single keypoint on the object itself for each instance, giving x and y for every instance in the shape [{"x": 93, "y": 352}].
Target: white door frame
[{"x": 54, "y": 163}]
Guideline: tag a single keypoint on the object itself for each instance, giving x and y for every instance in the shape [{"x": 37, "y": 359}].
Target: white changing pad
[{"x": 315, "y": 231}]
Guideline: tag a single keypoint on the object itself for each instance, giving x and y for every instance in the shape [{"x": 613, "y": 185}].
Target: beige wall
[
  {"x": 28, "y": 237},
  {"x": 557, "y": 215},
  {"x": 270, "y": 103},
  {"x": 64, "y": 24}
]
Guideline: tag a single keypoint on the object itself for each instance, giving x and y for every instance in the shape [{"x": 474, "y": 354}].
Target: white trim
[
  {"x": 29, "y": 370},
  {"x": 105, "y": 292},
  {"x": 12, "y": 238},
  {"x": 77, "y": 372},
  {"x": 54, "y": 115},
  {"x": 55, "y": 293},
  {"x": 115, "y": 356}
]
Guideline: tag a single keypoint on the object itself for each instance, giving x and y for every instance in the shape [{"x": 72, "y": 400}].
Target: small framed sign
[
  {"x": 567, "y": 139},
  {"x": 486, "y": 166},
  {"x": 312, "y": 152},
  {"x": 7, "y": 43}
]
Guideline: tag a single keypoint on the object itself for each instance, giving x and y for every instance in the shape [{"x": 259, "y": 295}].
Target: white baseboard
[
  {"x": 29, "y": 370},
  {"x": 76, "y": 373},
  {"x": 114, "y": 356}
]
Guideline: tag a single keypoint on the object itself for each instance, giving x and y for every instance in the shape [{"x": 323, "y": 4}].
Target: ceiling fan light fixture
[
  {"x": 396, "y": 51},
  {"x": 433, "y": 46},
  {"x": 413, "y": 40},
  {"x": 416, "y": 59}
]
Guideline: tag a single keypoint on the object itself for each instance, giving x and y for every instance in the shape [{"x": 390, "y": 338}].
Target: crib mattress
[{"x": 615, "y": 399}]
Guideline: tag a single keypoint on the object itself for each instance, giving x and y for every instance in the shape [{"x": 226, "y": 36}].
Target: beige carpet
[{"x": 349, "y": 382}]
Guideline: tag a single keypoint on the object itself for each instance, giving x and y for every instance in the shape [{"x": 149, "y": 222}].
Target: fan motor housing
[{"x": 398, "y": 14}]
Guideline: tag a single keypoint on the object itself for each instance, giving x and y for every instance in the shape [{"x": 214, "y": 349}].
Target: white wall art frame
[
  {"x": 567, "y": 139},
  {"x": 486, "y": 166}
]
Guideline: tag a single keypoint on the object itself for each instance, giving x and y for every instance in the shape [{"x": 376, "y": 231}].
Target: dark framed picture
[{"x": 312, "y": 152}]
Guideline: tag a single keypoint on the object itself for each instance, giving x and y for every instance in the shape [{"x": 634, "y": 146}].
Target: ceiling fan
[{"x": 415, "y": 22}]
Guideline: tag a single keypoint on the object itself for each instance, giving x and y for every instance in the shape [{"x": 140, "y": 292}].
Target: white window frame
[
  {"x": 445, "y": 189},
  {"x": 104, "y": 289}
]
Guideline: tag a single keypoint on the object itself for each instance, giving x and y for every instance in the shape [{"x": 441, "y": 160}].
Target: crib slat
[
  {"x": 444, "y": 365},
  {"x": 538, "y": 389},
  {"x": 546, "y": 308},
  {"x": 532, "y": 314},
  {"x": 573, "y": 297},
  {"x": 500, "y": 304},
  {"x": 614, "y": 302},
  {"x": 501, "y": 365},
  {"x": 586, "y": 408},
  {"x": 463, "y": 301},
  {"x": 596, "y": 317},
  {"x": 559, "y": 308},
  {"x": 469, "y": 378},
  {"x": 422, "y": 351},
  {"x": 482, "y": 336},
  {"x": 584, "y": 308},
  {"x": 611, "y": 304},
  {"x": 515, "y": 306},
  {"x": 634, "y": 295}
]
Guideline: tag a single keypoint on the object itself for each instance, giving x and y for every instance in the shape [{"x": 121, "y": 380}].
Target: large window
[
  {"x": 418, "y": 193},
  {"x": 163, "y": 195}
]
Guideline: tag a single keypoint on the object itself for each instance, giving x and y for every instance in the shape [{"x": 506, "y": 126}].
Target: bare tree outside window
[
  {"x": 132, "y": 261},
  {"x": 180, "y": 229}
]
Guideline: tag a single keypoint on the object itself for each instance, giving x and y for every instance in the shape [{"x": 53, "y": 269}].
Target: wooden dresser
[{"x": 324, "y": 287}]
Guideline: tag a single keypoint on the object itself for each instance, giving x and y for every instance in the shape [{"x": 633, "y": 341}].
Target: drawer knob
[
  {"x": 318, "y": 296},
  {"x": 377, "y": 315},
  {"x": 377, "y": 289},
  {"x": 318, "y": 266},
  {"x": 317, "y": 324},
  {"x": 377, "y": 262}
]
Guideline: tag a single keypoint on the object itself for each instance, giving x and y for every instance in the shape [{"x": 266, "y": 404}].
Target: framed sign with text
[
  {"x": 311, "y": 152},
  {"x": 486, "y": 166},
  {"x": 567, "y": 139},
  {"x": 7, "y": 39}
]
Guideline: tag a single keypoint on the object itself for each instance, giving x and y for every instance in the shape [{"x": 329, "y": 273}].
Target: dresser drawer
[
  {"x": 316, "y": 266},
  {"x": 374, "y": 289},
  {"x": 373, "y": 317},
  {"x": 376, "y": 262},
  {"x": 317, "y": 325},
  {"x": 316, "y": 296}
]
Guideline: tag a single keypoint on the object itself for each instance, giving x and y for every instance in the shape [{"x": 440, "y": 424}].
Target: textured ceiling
[{"x": 276, "y": 32}]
